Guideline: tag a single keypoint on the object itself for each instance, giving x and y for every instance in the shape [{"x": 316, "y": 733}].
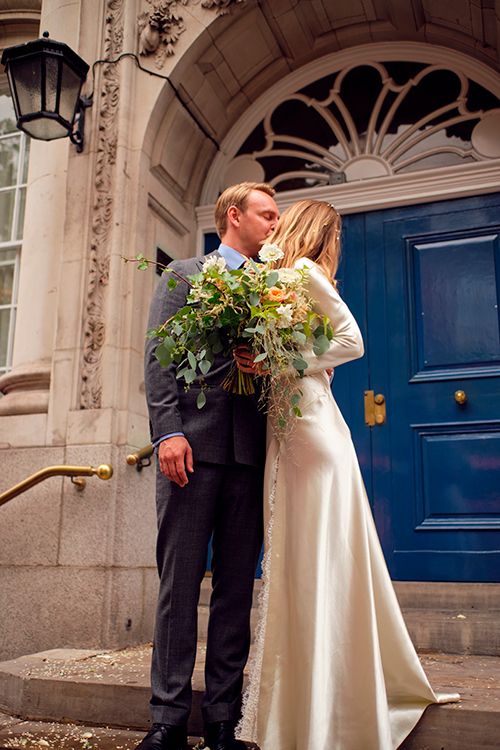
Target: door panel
[
  {"x": 431, "y": 328},
  {"x": 453, "y": 286}
]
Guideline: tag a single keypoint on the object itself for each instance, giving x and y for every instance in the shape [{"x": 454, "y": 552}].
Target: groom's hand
[{"x": 176, "y": 459}]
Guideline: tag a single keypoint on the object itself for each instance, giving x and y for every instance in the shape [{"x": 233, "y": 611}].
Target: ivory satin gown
[{"x": 333, "y": 667}]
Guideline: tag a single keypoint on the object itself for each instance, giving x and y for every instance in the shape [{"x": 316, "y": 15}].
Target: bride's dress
[{"x": 334, "y": 667}]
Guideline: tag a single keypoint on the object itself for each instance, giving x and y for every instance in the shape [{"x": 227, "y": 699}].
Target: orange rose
[{"x": 276, "y": 295}]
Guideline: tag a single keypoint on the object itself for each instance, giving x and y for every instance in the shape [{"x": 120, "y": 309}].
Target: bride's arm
[{"x": 347, "y": 342}]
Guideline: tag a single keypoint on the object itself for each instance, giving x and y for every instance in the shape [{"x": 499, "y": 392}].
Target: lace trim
[{"x": 247, "y": 726}]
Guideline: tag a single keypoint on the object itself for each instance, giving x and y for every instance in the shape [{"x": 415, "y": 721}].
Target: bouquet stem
[{"x": 238, "y": 382}]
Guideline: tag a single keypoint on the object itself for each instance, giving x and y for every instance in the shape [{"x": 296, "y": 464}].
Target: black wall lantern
[{"x": 45, "y": 79}]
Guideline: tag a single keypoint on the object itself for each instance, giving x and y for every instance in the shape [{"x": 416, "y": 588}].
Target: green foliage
[
  {"x": 321, "y": 345},
  {"x": 272, "y": 314},
  {"x": 143, "y": 264},
  {"x": 272, "y": 279}
]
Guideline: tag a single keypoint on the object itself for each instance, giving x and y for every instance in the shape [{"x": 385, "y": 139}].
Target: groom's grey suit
[{"x": 222, "y": 500}]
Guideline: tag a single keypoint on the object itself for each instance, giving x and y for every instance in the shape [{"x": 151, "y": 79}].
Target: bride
[{"x": 334, "y": 667}]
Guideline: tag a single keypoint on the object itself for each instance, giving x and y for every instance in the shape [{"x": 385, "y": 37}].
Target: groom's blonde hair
[
  {"x": 309, "y": 229},
  {"x": 236, "y": 195}
]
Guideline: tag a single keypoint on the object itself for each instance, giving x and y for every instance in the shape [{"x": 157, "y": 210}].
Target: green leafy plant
[{"x": 266, "y": 309}]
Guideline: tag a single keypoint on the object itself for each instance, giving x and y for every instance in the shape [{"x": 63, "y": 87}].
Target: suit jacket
[{"x": 229, "y": 427}]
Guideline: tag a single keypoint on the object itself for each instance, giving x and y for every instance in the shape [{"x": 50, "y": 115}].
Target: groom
[{"x": 209, "y": 485}]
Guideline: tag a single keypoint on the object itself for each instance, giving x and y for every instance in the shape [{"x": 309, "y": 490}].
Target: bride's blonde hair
[{"x": 309, "y": 229}]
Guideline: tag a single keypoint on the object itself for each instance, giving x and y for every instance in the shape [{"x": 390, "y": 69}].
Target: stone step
[
  {"x": 457, "y": 618},
  {"x": 111, "y": 688},
  {"x": 454, "y": 632},
  {"x": 16, "y": 734}
]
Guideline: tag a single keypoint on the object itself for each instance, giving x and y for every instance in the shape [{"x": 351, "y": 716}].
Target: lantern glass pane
[
  {"x": 26, "y": 72},
  {"x": 45, "y": 129},
  {"x": 51, "y": 74},
  {"x": 6, "y": 213},
  {"x": 70, "y": 91}
]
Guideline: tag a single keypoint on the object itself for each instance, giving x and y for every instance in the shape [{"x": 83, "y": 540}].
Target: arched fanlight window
[{"x": 368, "y": 121}]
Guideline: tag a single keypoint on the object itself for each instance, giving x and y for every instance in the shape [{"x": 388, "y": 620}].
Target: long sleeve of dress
[{"x": 347, "y": 342}]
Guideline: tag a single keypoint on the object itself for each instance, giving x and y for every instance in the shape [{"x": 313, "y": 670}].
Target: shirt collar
[{"x": 233, "y": 258}]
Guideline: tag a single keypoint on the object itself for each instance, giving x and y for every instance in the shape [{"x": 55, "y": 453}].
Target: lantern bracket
[{"x": 77, "y": 136}]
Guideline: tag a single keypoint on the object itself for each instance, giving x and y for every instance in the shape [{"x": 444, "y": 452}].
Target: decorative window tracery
[{"x": 368, "y": 121}]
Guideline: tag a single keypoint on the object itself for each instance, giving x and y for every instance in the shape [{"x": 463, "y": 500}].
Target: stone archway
[{"x": 243, "y": 56}]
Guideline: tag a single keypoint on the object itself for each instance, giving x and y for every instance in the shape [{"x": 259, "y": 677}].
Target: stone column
[{"x": 26, "y": 386}]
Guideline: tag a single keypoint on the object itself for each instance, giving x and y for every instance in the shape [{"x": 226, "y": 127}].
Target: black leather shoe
[
  {"x": 164, "y": 737},
  {"x": 220, "y": 736}
]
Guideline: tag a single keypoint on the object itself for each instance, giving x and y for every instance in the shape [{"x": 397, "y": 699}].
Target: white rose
[
  {"x": 289, "y": 275},
  {"x": 215, "y": 262},
  {"x": 285, "y": 313},
  {"x": 269, "y": 253}
]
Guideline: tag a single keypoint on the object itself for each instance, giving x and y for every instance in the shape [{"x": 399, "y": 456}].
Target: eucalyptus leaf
[
  {"x": 321, "y": 345},
  {"x": 192, "y": 360},
  {"x": 190, "y": 376},
  {"x": 299, "y": 337},
  {"x": 163, "y": 355},
  {"x": 205, "y": 366},
  {"x": 272, "y": 278},
  {"x": 260, "y": 357},
  {"x": 300, "y": 364},
  {"x": 201, "y": 400},
  {"x": 217, "y": 347}
]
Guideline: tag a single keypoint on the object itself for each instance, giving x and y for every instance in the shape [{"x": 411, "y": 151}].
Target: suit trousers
[{"x": 223, "y": 502}]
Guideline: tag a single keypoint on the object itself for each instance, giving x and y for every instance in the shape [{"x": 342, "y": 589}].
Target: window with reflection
[{"x": 14, "y": 152}]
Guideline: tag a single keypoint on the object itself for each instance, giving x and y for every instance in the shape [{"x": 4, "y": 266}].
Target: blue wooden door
[{"x": 424, "y": 283}]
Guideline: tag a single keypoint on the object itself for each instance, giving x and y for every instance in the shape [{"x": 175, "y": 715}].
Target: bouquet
[{"x": 265, "y": 308}]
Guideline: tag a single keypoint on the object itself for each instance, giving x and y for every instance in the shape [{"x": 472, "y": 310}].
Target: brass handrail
[
  {"x": 142, "y": 457},
  {"x": 104, "y": 471}
]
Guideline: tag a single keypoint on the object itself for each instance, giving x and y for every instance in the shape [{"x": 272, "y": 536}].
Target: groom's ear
[{"x": 233, "y": 216}]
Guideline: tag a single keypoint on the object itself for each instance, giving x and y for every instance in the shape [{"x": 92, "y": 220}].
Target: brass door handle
[
  {"x": 375, "y": 411},
  {"x": 460, "y": 397}
]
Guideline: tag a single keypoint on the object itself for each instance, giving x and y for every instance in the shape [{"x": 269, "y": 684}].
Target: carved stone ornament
[
  {"x": 161, "y": 25},
  {"x": 94, "y": 325}
]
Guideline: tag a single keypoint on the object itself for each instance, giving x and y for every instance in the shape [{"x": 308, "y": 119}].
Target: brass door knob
[{"x": 460, "y": 397}]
